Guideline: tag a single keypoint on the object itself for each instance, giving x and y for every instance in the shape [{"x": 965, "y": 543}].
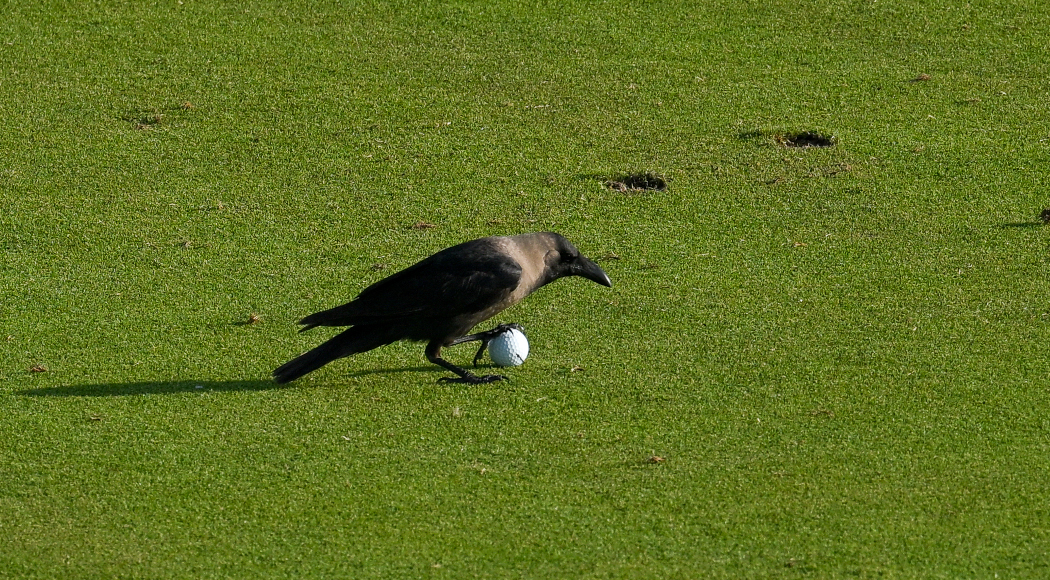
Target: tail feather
[
  {"x": 344, "y": 315},
  {"x": 350, "y": 341}
]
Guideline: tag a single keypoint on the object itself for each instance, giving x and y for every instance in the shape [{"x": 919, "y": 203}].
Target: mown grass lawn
[{"x": 814, "y": 362}]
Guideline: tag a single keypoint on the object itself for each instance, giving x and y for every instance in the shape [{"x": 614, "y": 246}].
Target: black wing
[{"x": 465, "y": 278}]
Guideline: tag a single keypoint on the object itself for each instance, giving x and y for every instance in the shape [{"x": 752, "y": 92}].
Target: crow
[{"x": 441, "y": 298}]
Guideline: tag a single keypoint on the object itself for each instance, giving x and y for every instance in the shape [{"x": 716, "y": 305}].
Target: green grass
[{"x": 839, "y": 353}]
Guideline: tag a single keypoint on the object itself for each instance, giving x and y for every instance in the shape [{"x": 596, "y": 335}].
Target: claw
[
  {"x": 433, "y": 353},
  {"x": 486, "y": 337},
  {"x": 481, "y": 352}
]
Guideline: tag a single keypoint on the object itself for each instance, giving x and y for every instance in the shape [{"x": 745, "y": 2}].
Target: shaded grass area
[{"x": 838, "y": 352}]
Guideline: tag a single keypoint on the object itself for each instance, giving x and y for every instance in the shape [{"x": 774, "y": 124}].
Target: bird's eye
[{"x": 567, "y": 257}]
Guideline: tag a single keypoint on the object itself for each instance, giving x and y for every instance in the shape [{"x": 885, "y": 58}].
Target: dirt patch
[
  {"x": 155, "y": 117},
  {"x": 805, "y": 139},
  {"x": 638, "y": 182},
  {"x": 145, "y": 119}
]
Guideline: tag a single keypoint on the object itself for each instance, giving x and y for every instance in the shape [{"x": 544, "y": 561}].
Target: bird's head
[{"x": 565, "y": 260}]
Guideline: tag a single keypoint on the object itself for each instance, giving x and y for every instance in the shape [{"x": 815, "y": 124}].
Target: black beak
[{"x": 591, "y": 271}]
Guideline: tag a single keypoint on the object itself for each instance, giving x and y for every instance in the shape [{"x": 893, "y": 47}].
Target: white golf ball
[{"x": 509, "y": 349}]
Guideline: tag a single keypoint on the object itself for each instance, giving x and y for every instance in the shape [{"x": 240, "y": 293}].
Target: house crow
[{"x": 439, "y": 300}]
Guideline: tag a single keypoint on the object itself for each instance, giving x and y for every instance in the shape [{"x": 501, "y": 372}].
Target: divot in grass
[
  {"x": 804, "y": 139},
  {"x": 636, "y": 182},
  {"x": 799, "y": 139},
  {"x": 145, "y": 119},
  {"x": 150, "y": 118}
]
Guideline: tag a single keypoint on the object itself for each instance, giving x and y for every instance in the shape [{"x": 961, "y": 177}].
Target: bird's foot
[
  {"x": 489, "y": 335},
  {"x": 471, "y": 379}
]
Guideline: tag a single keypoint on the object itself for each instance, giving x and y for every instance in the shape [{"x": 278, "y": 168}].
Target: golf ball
[{"x": 509, "y": 349}]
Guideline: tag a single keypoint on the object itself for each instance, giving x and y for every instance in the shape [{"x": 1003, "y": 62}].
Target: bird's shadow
[
  {"x": 150, "y": 388},
  {"x": 390, "y": 371},
  {"x": 190, "y": 386},
  {"x": 437, "y": 371},
  {"x": 1022, "y": 225}
]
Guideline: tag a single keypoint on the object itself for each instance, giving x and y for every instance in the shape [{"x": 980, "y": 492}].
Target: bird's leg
[
  {"x": 433, "y": 353},
  {"x": 485, "y": 337}
]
